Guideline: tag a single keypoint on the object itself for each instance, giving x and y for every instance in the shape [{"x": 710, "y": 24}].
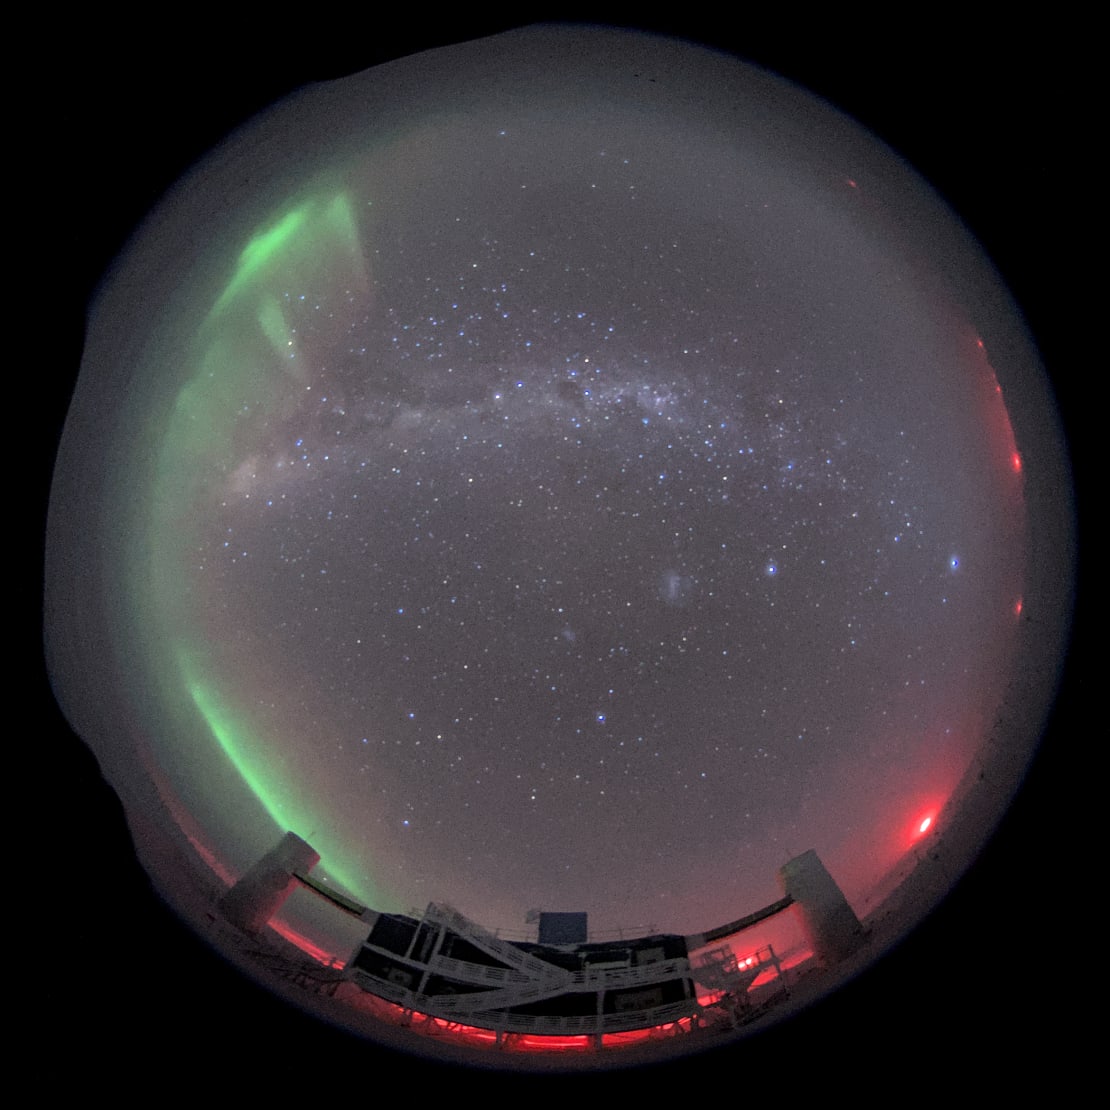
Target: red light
[
  {"x": 924, "y": 825},
  {"x": 304, "y": 944},
  {"x": 1017, "y": 607},
  {"x": 1015, "y": 462}
]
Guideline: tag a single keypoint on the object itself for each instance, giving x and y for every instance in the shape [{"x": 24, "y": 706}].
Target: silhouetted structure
[{"x": 456, "y": 975}]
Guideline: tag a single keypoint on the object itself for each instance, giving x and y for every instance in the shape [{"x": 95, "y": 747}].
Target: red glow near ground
[
  {"x": 1017, "y": 607},
  {"x": 210, "y": 858},
  {"x": 1015, "y": 462},
  {"x": 924, "y": 825},
  {"x": 305, "y": 945},
  {"x": 525, "y": 1042}
]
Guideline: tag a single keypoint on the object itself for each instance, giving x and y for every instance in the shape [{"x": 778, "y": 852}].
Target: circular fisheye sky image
[{"x": 562, "y": 544}]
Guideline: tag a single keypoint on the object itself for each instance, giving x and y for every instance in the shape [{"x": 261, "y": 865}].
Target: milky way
[{"x": 578, "y": 506}]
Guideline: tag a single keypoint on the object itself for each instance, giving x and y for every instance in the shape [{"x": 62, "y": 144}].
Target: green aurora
[{"x": 240, "y": 370}]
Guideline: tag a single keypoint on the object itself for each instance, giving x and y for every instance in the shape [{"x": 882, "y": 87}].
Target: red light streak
[
  {"x": 527, "y": 1042},
  {"x": 305, "y": 945}
]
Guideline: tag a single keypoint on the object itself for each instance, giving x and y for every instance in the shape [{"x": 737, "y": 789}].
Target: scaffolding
[
  {"x": 730, "y": 978},
  {"x": 447, "y": 967}
]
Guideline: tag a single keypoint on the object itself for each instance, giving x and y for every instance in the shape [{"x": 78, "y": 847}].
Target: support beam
[
  {"x": 262, "y": 891},
  {"x": 830, "y": 924},
  {"x": 700, "y": 940}
]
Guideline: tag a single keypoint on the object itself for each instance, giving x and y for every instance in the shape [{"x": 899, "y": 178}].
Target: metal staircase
[{"x": 439, "y": 913}]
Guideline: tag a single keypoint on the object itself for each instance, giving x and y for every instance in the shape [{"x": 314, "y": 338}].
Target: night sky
[{"x": 580, "y": 540}]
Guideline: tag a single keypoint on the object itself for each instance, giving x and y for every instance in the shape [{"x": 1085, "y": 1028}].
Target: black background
[{"x": 981, "y": 995}]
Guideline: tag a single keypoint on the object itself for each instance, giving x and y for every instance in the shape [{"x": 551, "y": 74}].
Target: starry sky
[{"x": 580, "y": 503}]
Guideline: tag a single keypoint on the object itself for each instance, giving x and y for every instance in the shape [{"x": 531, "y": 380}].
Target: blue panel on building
[{"x": 562, "y": 928}]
